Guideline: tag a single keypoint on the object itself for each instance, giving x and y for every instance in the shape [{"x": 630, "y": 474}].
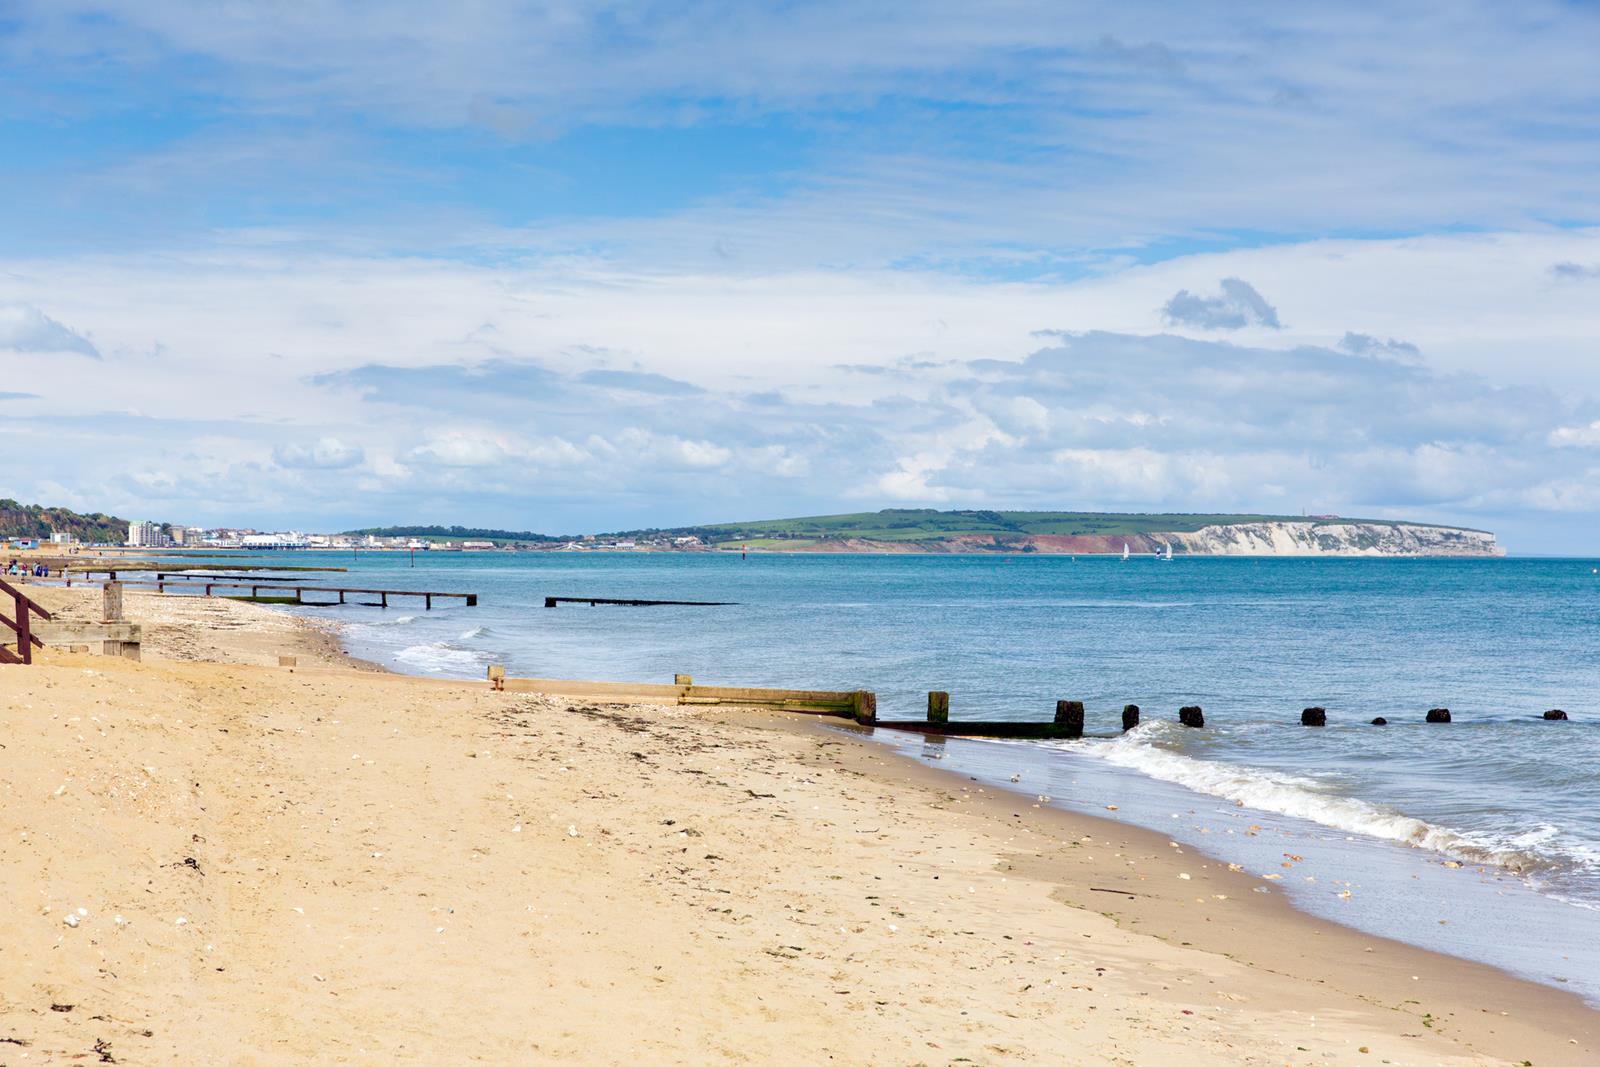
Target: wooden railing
[{"x": 21, "y": 624}]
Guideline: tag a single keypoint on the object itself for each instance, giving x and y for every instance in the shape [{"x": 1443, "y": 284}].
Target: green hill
[
  {"x": 926, "y": 524},
  {"x": 31, "y": 520}
]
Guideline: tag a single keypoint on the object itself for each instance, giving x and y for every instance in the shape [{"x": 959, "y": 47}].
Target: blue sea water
[{"x": 1431, "y": 834}]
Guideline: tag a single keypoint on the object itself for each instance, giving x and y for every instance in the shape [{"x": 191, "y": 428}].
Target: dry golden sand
[{"x": 377, "y": 869}]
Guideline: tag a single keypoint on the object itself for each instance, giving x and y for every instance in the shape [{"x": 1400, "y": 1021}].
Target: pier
[{"x": 290, "y": 593}]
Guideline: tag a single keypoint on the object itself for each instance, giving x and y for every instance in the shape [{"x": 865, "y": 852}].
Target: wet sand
[{"x": 371, "y": 868}]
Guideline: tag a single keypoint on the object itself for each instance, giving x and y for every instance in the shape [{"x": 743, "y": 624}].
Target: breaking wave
[
  {"x": 441, "y": 658},
  {"x": 1526, "y": 853}
]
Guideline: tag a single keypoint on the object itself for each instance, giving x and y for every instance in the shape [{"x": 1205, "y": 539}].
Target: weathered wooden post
[
  {"x": 1314, "y": 717},
  {"x": 1069, "y": 714},
  {"x": 1191, "y": 715},
  {"x": 111, "y": 602},
  {"x": 1438, "y": 715},
  {"x": 1555, "y": 715},
  {"x": 1380, "y": 721},
  {"x": 938, "y": 706},
  {"x": 682, "y": 679},
  {"x": 497, "y": 677},
  {"x": 1130, "y": 716},
  {"x": 865, "y": 706}
]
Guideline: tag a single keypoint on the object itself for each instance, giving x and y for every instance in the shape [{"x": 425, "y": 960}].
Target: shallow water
[{"x": 1251, "y": 640}]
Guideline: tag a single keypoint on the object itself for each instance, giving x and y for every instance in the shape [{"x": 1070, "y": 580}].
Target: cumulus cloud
[
  {"x": 1587, "y": 436},
  {"x": 326, "y": 453},
  {"x": 24, "y": 328},
  {"x": 1236, "y": 306}
]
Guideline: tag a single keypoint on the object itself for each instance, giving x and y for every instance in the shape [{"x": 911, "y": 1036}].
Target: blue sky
[{"x": 585, "y": 266}]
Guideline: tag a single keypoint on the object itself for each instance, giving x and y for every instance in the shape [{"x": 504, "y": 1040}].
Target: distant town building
[
  {"x": 179, "y": 535},
  {"x": 144, "y": 535},
  {"x": 477, "y": 545},
  {"x": 57, "y": 537}
]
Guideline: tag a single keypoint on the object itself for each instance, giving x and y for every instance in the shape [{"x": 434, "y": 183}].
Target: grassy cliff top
[{"x": 922, "y": 524}]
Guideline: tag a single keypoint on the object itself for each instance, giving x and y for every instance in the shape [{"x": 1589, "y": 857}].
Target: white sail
[
  {"x": 1169, "y": 549},
  {"x": 1124, "y": 550}
]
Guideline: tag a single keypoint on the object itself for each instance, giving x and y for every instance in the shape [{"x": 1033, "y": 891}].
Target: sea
[{"x": 1480, "y": 838}]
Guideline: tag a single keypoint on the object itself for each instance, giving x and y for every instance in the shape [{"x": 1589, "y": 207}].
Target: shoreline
[{"x": 1241, "y": 979}]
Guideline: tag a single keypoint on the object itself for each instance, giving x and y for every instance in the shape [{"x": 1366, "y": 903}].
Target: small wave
[
  {"x": 1305, "y": 798},
  {"x": 475, "y": 632},
  {"x": 398, "y": 620},
  {"x": 440, "y": 657}
]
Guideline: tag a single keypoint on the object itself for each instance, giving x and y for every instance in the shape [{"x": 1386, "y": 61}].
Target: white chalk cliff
[{"x": 1333, "y": 539}]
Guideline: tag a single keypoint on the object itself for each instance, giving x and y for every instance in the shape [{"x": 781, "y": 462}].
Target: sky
[{"x": 582, "y": 267}]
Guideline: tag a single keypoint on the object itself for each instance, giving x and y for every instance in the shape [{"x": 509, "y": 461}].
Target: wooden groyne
[
  {"x": 290, "y": 593},
  {"x": 592, "y": 601},
  {"x": 859, "y": 705},
  {"x": 20, "y": 623}
]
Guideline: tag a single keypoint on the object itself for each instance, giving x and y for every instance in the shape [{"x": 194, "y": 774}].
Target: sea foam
[{"x": 1306, "y": 798}]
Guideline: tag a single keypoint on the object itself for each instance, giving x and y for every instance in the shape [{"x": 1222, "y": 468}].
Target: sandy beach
[{"x": 207, "y": 858}]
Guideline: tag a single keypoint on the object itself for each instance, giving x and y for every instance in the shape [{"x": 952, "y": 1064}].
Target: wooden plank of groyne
[{"x": 806, "y": 701}]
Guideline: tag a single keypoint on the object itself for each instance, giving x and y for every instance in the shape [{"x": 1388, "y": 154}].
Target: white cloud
[
  {"x": 1586, "y": 436},
  {"x": 326, "y": 453},
  {"x": 24, "y": 328},
  {"x": 474, "y": 388}
]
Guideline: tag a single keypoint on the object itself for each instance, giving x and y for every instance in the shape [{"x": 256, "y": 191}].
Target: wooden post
[
  {"x": 1314, "y": 717},
  {"x": 1069, "y": 713},
  {"x": 1380, "y": 721},
  {"x": 472, "y": 600},
  {"x": 865, "y": 705},
  {"x": 427, "y": 602},
  {"x": 111, "y": 602},
  {"x": 1130, "y": 716},
  {"x": 385, "y": 597},
  {"x": 938, "y": 706},
  {"x": 1191, "y": 715},
  {"x": 682, "y": 679},
  {"x": 24, "y": 631},
  {"x": 1555, "y": 715},
  {"x": 297, "y": 599},
  {"x": 1438, "y": 715},
  {"x": 341, "y": 596},
  {"x": 497, "y": 677}
]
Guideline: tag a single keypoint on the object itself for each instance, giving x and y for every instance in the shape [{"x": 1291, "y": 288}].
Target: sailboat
[
  {"x": 1168, "y": 556},
  {"x": 1124, "y": 551}
]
